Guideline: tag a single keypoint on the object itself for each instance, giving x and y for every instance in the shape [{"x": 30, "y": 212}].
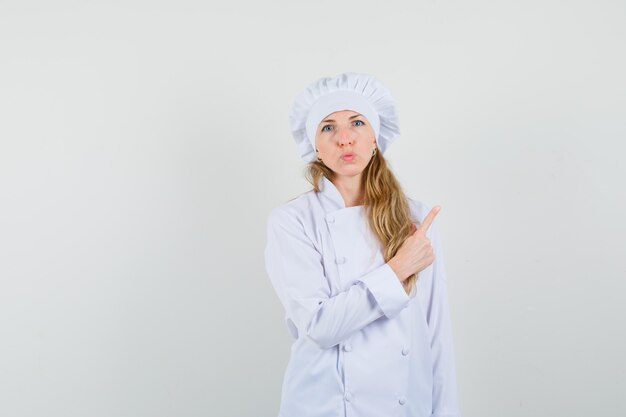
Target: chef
[{"x": 357, "y": 266}]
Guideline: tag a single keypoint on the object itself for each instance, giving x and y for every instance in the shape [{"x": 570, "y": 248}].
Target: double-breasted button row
[{"x": 402, "y": 400}]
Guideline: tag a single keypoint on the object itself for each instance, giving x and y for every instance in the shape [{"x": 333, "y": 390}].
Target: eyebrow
[{"x": 331, "y": 120}]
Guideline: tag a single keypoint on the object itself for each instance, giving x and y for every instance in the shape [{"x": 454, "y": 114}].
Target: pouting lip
[{"x": 347, "y": 154}]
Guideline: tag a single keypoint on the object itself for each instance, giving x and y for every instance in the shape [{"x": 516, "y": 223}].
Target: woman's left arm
[{"x": 445, "y": 396}]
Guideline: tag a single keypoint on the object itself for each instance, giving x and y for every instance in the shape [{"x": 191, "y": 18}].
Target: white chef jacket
[{"x": 362, "y": 346}]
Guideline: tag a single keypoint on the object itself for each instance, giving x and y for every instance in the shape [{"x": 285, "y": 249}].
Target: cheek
[
  {"x": 368, "y": 137},
  {"x": 323, "y": 147}
]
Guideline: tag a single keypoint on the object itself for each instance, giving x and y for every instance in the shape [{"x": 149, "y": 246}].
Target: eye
[
  {"x": 359, "y": 121},
  {"x": 324, "y": 127}
]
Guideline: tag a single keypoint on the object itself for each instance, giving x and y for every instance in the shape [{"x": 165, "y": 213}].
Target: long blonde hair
[{"x": 386, "y": 206}]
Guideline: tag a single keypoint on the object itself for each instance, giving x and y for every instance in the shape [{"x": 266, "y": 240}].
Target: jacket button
[
  {"x": 347, "y": 347},
  {"x": 341, "y": 260},
  {"x": 402, "y": 400},
  {"x": 405, "y": 351},
  {"x": 348, "y": 397},
  {"x": 330, "y": 219}
]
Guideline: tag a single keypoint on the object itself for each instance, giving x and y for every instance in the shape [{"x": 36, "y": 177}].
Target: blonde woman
[{"x": 358, "y": 268}]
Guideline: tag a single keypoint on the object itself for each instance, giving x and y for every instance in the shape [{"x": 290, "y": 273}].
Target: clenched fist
[{"x": 416, "y": 252}]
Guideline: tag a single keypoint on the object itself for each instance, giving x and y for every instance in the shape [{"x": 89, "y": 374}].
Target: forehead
[{"x": 340, "y": 114}]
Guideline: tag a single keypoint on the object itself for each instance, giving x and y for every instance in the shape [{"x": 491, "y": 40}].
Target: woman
[{"x": 363, "y": 285}]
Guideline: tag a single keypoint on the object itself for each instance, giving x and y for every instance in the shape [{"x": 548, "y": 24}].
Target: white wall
[{"x": 142, "y": 145}]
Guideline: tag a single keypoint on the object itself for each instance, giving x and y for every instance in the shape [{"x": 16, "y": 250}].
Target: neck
[{"x": 350, "y": 189}]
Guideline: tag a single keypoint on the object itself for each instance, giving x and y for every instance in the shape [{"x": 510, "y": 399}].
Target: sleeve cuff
[{"x": 387, "y": 289}]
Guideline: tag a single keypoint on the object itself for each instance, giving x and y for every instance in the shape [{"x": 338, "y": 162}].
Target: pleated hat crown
[{"x": 362, "y": 93}]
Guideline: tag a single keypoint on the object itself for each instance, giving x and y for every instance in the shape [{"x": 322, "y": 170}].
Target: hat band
[{"x": 340, "y": 100}]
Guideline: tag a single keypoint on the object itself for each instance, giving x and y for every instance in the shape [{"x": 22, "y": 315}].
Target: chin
[{"x": 349, "y": 171}]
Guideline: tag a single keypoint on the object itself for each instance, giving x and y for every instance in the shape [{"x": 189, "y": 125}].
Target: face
[{"x": 345, "y": 141}]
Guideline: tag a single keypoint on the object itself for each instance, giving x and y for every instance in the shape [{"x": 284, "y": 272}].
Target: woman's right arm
[{"x": 296, "y": 271}]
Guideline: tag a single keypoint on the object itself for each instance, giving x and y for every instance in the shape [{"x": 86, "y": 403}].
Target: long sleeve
[
  {"x": 296, "y": 270},
  {"x": 445, "y": 397}
]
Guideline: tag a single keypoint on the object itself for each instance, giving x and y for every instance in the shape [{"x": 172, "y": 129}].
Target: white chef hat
[{"x": 361, "y": 93}]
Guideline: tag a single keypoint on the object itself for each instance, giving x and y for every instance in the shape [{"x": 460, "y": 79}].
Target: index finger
[{"x": 428, "y": 219}]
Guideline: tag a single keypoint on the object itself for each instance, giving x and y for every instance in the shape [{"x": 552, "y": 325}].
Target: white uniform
[{"x": 362, "y": 346}]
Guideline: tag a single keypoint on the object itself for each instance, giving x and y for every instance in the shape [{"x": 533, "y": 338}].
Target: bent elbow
[
  {"x": 318, "y": 329},
  {"x": 323, "y": 342},
  {"x": 321, "y": 338}
]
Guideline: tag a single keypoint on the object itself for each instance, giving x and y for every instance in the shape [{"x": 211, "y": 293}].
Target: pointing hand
[{"x": 416, "y": 252}]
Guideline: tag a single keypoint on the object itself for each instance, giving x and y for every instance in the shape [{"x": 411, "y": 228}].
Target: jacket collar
[{"x": 329, "y": 196}]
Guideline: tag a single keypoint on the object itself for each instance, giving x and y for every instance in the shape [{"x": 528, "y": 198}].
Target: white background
[{"x": 142, "y": 145}]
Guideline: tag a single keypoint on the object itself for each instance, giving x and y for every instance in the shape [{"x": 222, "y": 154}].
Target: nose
[{"x": 345, "y": 137}]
